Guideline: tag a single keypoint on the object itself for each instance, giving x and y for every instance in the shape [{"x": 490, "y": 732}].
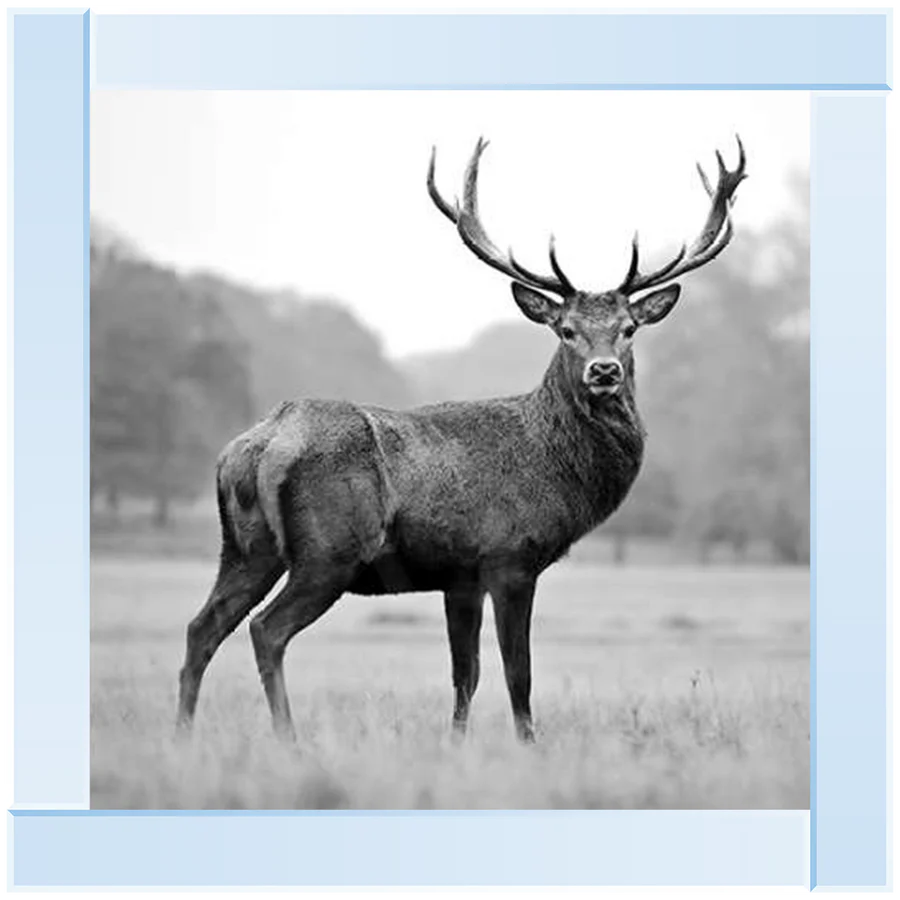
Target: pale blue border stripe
[
  {"x": 839, "y": 50},
  {"x": 814, "y": 151},
  {"x": 549, "y": 848},
  {"x": 86, "y": 329},
  {"x": 49, "y": 258},
  {"x": 849, "y": 786}
]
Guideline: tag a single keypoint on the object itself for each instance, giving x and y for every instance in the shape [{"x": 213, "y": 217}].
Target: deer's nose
[{"x": 603, "y": 372}]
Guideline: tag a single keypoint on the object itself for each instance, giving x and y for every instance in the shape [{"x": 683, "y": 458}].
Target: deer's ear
[
  {"x": 538, "y": 307},
  {"x": 656, "y": 306}
]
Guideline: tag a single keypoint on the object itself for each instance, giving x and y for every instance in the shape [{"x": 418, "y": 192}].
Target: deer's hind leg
[
  {"x": 332, "y": 529},
  {"x": 242, "y": 583},
  {"x": 306, "y": 596}
]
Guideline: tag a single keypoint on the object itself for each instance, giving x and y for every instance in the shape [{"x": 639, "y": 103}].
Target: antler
[
  {"x": 470, "y": 229},
  {"x": 711, "y": 241}
]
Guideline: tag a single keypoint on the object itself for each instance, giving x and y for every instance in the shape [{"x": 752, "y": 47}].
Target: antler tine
[
  {"x": 524, "y": 274},
  {"x": 557, "y": 269},
  {"x": 468, "y": 224},
  {"x": 634, "y": 281},
  {"x": 560, "y": 285},
  {"x": 452, "y": 213},
  {"x": 706, "y": 185},
  {"x": 633, "y": 265},
  {"x": 723, "y": 171},
  {"x": 711, "y": 252},
  {"x": 721, "y": 201},
  {"x": 742, "y": 157},
  {"x": 717, "y": 231}
]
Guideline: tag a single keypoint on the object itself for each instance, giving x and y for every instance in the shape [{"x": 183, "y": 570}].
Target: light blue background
[
  {"x": 465, "y": 51},
  {"x": 453, "y": 848},
  {"x": 848, "y": 796},
  {"x": 50, "y": 292},
  {"x": 849, "y": 731}
]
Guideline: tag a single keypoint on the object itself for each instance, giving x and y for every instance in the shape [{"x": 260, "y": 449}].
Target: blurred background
[{"x": 249, "y": 248}]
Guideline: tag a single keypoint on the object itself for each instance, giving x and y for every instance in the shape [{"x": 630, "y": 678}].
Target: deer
[{"x": 462, "y": 498}]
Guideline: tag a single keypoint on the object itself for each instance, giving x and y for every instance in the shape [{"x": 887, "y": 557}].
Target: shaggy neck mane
[{"x": 596, "y": 444}]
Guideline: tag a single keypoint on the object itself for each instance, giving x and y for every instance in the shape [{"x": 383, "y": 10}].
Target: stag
[{"x": 465, "y": 498}]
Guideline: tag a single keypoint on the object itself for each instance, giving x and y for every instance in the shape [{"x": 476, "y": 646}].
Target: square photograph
[{"x": 450, "y": 450}]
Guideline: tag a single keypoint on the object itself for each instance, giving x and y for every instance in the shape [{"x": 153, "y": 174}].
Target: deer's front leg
[
  {"x": 513, "y": 599},
  {"x": 463, "y": 607}
]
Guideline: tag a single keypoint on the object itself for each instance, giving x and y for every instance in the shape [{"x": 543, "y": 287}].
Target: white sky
[{"x": 324, "y": 192}]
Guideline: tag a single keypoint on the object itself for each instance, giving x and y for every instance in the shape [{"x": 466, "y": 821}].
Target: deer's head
[{"x": 595, "y": 329}]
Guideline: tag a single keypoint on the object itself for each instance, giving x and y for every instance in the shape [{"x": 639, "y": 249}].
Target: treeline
[
  {"x": 179, "y": 365},
  {"x": 725, "y": 396}
]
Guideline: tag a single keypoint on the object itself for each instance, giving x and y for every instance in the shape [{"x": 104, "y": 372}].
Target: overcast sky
[{"x": 324, "y": 192}]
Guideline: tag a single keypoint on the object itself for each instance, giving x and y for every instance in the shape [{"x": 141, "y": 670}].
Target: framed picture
[{"x": 337, "y": 437}]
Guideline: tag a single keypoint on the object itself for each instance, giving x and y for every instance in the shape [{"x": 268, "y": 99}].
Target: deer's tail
[{"x": 244, "y": 525}]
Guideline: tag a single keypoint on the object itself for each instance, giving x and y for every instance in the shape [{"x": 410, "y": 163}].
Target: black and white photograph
[{"x": 449, "y": 450}]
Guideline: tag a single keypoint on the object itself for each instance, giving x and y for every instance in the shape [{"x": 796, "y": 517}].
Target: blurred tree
[
  {"x": 650, "y": 510},
  {"x": 168, "y": 382},
  {"x": 506, "y": 358},
  {"x": 181, "y": 364},
  {"x": 726, "y": 387},
  {"x": 303, "y": 347}
]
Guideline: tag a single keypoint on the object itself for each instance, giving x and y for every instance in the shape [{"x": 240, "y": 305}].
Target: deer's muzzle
[{"x": 604, "y": 375}]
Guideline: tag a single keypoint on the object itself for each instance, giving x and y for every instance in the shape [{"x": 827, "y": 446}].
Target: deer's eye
[
  {"x": 567, "y": 333},
  {"x": 628, "y": 331}
]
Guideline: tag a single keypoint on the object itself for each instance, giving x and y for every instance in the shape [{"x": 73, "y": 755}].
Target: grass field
[{"x": 654, "y": 687}]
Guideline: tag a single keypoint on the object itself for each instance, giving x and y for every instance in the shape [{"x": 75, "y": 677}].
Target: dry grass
[{"x": 653, "y": 688}]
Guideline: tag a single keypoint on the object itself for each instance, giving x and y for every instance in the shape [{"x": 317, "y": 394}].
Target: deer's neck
[{"x": 595, "y": 444}]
